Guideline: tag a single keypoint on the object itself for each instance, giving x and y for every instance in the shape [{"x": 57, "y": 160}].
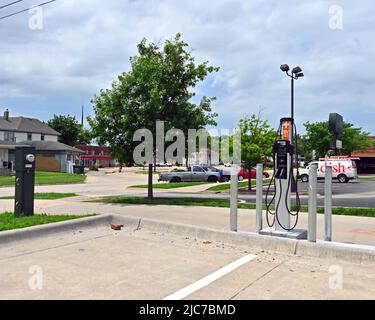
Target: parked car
[
  {"x": 243, "y": 174},
  {"x": 343, "y": 169},
  {"x": 223, "y": 175},
  {"x": 163, "y": 165},
  {"x": 193, "y": 174}
]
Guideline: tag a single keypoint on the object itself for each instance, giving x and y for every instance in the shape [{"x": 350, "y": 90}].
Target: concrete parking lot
[{"x": 99, "y": 263}]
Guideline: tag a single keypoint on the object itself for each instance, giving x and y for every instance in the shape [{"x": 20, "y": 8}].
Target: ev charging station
[
  {"x": 25, "y": 181},
  {"x": 282, "y": 222},
  {"x": 282, "y": 217}
]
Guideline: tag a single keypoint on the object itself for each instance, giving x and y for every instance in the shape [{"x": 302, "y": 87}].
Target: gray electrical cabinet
[{"x": 25, "y": 181}]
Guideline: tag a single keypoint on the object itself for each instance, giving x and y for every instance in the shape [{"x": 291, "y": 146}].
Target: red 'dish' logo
[{"x": 337, "y": 168}]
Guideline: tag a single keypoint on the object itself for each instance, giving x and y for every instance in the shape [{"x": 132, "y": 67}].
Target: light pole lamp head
[
  {"x": 300, "y": 75},
  {"x": 284, "y": 68},
  {"x": 296, "y": 70}
]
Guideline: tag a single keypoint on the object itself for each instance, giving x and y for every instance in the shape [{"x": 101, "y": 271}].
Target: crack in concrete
[{"x": 256, "y": 280}]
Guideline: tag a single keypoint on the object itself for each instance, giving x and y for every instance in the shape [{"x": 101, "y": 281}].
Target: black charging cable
[{"x": 272, "y": 181}]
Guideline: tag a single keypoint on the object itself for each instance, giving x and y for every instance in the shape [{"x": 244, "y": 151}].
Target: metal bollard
[
  {"x": 328, "y": 204},
  {"x": 312, "y": 203},
  {"x": 259, "y": 199},
  {"x": 234, "y": 199}
]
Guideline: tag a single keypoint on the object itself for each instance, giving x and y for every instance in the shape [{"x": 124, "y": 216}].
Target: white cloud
[{"x": 85, "y": 44}]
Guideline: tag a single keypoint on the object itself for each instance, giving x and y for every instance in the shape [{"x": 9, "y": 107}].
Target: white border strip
[{"x": 183, "y": 293}]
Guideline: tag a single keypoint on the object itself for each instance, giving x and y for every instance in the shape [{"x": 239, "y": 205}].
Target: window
[
  {"x": 42, "y": 137},
  {"x": 9, "y": 137},
  {"x": 197, "y": 169},
  {"x": 29, "y": 137}
]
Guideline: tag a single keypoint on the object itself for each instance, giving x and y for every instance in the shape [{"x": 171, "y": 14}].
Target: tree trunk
[{"x": 250, "y": 182}]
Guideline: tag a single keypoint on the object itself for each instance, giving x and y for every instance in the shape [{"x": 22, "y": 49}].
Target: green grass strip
[
  {"x": 47, "y": 196},
  {"x": 167, "y": 186},
  {"x": 9, "y": 222},
  {"x": 224, "y": 203},
  {"x": 242, "y": 184},
  {"x": 47, "y": 178}
]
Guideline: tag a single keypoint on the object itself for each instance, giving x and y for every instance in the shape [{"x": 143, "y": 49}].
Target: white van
[{"x": 343, "y": 169}]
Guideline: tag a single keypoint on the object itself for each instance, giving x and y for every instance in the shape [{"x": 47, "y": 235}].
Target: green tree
[
  {"x": 72, "y": 132},
  {"x": 257, "y": 140},
  {"x": 68, "y": 127},
  {"x": 159, "y": 86},
  {"x": 318, "y": 138},
  {"x": 84, "y": 135}
]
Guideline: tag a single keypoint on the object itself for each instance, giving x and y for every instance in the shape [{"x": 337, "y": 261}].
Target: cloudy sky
[{"x": 85, "y": 44}]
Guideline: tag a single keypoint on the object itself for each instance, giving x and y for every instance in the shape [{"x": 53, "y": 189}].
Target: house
[
  {"x": 95, "y": 156},
  {"x": 51, "y": 155},
  {"x": 366, "y": 164}
]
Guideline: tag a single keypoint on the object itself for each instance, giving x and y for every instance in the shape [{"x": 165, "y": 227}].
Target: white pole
[
  {"x": 234, "y": 199},
  {"x": 313, "y": 171},
  {"x": 328, "y": 204},
  {"x": 259, "y": 199}
]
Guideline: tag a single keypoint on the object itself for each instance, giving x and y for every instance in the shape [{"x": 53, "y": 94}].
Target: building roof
[
  {"x": 29, "y": 125},
  {"x": 366, "y": 153},
  {"x": 86, "y": 147},
  {"x": 50, "y": 146},
  {"x": 10, "y": 145}
]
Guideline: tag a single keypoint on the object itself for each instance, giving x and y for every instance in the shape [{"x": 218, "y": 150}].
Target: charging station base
[{"x": 298, "y": 234}]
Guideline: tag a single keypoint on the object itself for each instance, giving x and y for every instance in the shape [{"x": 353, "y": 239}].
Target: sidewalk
[{"x": 358, "y": 230}]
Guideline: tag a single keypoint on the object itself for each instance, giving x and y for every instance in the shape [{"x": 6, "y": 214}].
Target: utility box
[
  {"x": 78, "y": 169},
  {"x": 25, "y": 181}
]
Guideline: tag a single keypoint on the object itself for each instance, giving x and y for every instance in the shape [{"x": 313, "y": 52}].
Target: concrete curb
[
  {"x": 327, "y": 250},
  {"x": 54, "y": 228}
]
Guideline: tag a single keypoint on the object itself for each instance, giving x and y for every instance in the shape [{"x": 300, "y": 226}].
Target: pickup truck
[{"x": 193, "y": 174}]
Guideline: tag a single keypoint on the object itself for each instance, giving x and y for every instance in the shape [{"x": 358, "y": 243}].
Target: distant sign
[
  {"x": 336, "y": 124},
  {"x": 336, "y": 144}
]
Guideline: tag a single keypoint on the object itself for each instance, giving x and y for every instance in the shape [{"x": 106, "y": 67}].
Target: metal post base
[{"x": 297, "y": 234}]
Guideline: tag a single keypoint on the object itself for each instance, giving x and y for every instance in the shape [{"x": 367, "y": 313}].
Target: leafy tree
[
  {"x": 84, "y": 136},
  {"x": 257, "y": 140},
  {"x": 72, "y": 132},
  {"x": 159, "y": 86},
  {"x": 68, "y": 127},
  {"x": 318, "y": 138}
]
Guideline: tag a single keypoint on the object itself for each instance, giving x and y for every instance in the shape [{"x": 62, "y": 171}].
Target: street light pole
[
  {"x": 292, "y": 98},
  {"x": 294, "y": 75}
]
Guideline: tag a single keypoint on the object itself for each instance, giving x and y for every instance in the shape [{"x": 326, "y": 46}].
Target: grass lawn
[
  {"x": 366, "y": 179},
  {"x": 171, "y": 185},
  {"x": 146, "y": 172},
  {"x": 47, "y": 196},
  {"x": 223, "y": 203},
  {"x": 48, "y": 178},
  {"x": 215, "y": 188},
  {"x": 242, "y": 184},
  {"x": 9, "y": 222}
]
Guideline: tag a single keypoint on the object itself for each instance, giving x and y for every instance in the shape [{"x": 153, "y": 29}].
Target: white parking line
[{"x": 183, "y": 293}]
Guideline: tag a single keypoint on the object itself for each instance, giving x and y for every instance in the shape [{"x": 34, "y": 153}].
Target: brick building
[
  {"x": 366, "y": 164},
  {"x": 95, "y": 156}
]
